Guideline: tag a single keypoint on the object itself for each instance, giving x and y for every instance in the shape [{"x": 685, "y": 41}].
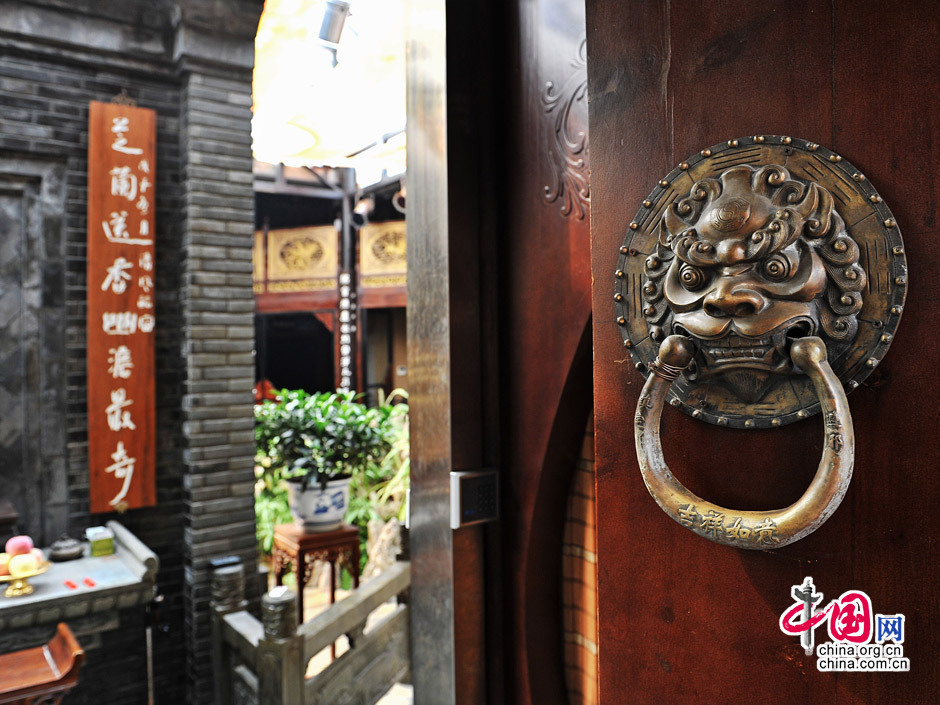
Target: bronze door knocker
[{"x": 758, "y": 280}]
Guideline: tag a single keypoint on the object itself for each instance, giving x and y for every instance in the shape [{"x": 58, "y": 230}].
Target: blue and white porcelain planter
[{"x": 317, "y": 509}]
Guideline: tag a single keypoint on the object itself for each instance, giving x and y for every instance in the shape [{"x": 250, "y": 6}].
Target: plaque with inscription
[{"x": 121, "y": 306}]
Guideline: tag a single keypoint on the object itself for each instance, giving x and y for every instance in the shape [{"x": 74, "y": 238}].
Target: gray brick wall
[
  {"x": 191, "y": 63},
  {"x": 49, "y": 121},
  {"x": 218, "y": 337}
]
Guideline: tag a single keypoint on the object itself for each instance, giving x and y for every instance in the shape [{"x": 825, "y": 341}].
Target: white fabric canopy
[{"x": 309, "y": 113}]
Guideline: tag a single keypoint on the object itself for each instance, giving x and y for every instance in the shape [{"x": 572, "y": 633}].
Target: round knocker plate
[{"x": 749, "y": 245}]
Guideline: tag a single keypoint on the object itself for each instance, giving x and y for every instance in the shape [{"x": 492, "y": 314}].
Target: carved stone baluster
[
  {"x": 228, "y": 589},
  {"x": 280, "y": 652},
  {"x": 355, "y": 635},
  {"x": 228, "y": 595}
]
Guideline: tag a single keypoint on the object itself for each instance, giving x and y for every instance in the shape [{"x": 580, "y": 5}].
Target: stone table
[{"x": 86, "y": 593}]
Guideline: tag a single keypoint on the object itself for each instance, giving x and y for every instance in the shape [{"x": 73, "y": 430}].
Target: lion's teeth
[{"x": 726, "y": 353}]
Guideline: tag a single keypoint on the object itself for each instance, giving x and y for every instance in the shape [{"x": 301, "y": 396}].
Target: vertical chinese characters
[{"x": 121, "y": 305}]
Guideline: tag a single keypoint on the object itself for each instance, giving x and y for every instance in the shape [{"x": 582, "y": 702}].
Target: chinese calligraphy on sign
[
  {"x": 121, "y": 306},
  {"x": 347, "y": 328}
]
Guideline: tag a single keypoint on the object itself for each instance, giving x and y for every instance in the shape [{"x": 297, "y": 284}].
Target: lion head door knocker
[{"x": 759, "y": 279}]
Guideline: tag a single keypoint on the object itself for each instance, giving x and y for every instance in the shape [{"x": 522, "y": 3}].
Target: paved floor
[{"x": 399, "y": 695}]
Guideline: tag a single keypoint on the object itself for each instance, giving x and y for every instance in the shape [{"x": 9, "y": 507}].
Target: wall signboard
[
  {"x": 120, "y": 319},
  {"x": 348, "y": 315}
]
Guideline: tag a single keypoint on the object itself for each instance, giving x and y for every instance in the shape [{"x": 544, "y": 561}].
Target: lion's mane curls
[{"x": 804, "y": 210}]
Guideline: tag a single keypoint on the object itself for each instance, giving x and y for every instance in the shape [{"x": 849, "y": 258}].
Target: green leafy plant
[
  {"x": 380, "y": 490},
  {"x": 319, "y": 437},
  {"x": 323, "y": 436},
  {"x": 271, "y": 506}
]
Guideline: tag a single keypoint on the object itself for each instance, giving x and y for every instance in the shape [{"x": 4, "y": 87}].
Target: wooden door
[{"x": 684, "y": 620}]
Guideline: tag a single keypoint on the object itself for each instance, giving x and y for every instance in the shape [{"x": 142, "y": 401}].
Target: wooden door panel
[
  {"x": 747, "y": 72},
  {"x": 545, "y": 308},
  {"x": 682, "y": 619}
]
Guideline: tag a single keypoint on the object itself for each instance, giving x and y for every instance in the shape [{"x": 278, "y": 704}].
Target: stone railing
[{"x": 264, "y": 662}]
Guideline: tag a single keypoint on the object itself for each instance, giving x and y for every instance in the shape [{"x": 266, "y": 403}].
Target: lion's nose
[{"x": 736, "y": 302}]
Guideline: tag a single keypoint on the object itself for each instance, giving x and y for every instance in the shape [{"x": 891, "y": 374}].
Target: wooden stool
[
  {"x": 297, "y": 551},
  {"x": 43, "y": 674}
]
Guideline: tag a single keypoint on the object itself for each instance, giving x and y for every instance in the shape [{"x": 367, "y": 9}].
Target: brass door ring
[{"x": 748, "y": 529}]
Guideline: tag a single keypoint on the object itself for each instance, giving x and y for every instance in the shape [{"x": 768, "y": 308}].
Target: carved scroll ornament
[{"x": 568, "y": 141}]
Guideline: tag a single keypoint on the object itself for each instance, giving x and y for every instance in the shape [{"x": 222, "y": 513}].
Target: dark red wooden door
[{"x": 683, "y": 620}]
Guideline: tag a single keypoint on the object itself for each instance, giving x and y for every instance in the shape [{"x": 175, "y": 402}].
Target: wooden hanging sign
[{"x": 120, "y": 321}]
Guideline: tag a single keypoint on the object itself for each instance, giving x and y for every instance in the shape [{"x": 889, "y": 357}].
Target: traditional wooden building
[{"x": 330, "y": 278}]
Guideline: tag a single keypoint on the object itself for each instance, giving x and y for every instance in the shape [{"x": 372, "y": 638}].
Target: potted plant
[{"x": 317, "y": 442}]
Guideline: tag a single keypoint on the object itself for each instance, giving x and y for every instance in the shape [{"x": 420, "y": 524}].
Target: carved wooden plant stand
[{"x": 297, "y": 552}]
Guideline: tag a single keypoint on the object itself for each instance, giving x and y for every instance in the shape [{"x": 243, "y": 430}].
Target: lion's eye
[
  {"x": 776, "y": 268},
  {"x": 692, "y": 278}
]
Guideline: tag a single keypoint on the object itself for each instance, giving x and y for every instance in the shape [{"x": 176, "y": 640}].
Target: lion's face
[{"x": 746, "y": 276}]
